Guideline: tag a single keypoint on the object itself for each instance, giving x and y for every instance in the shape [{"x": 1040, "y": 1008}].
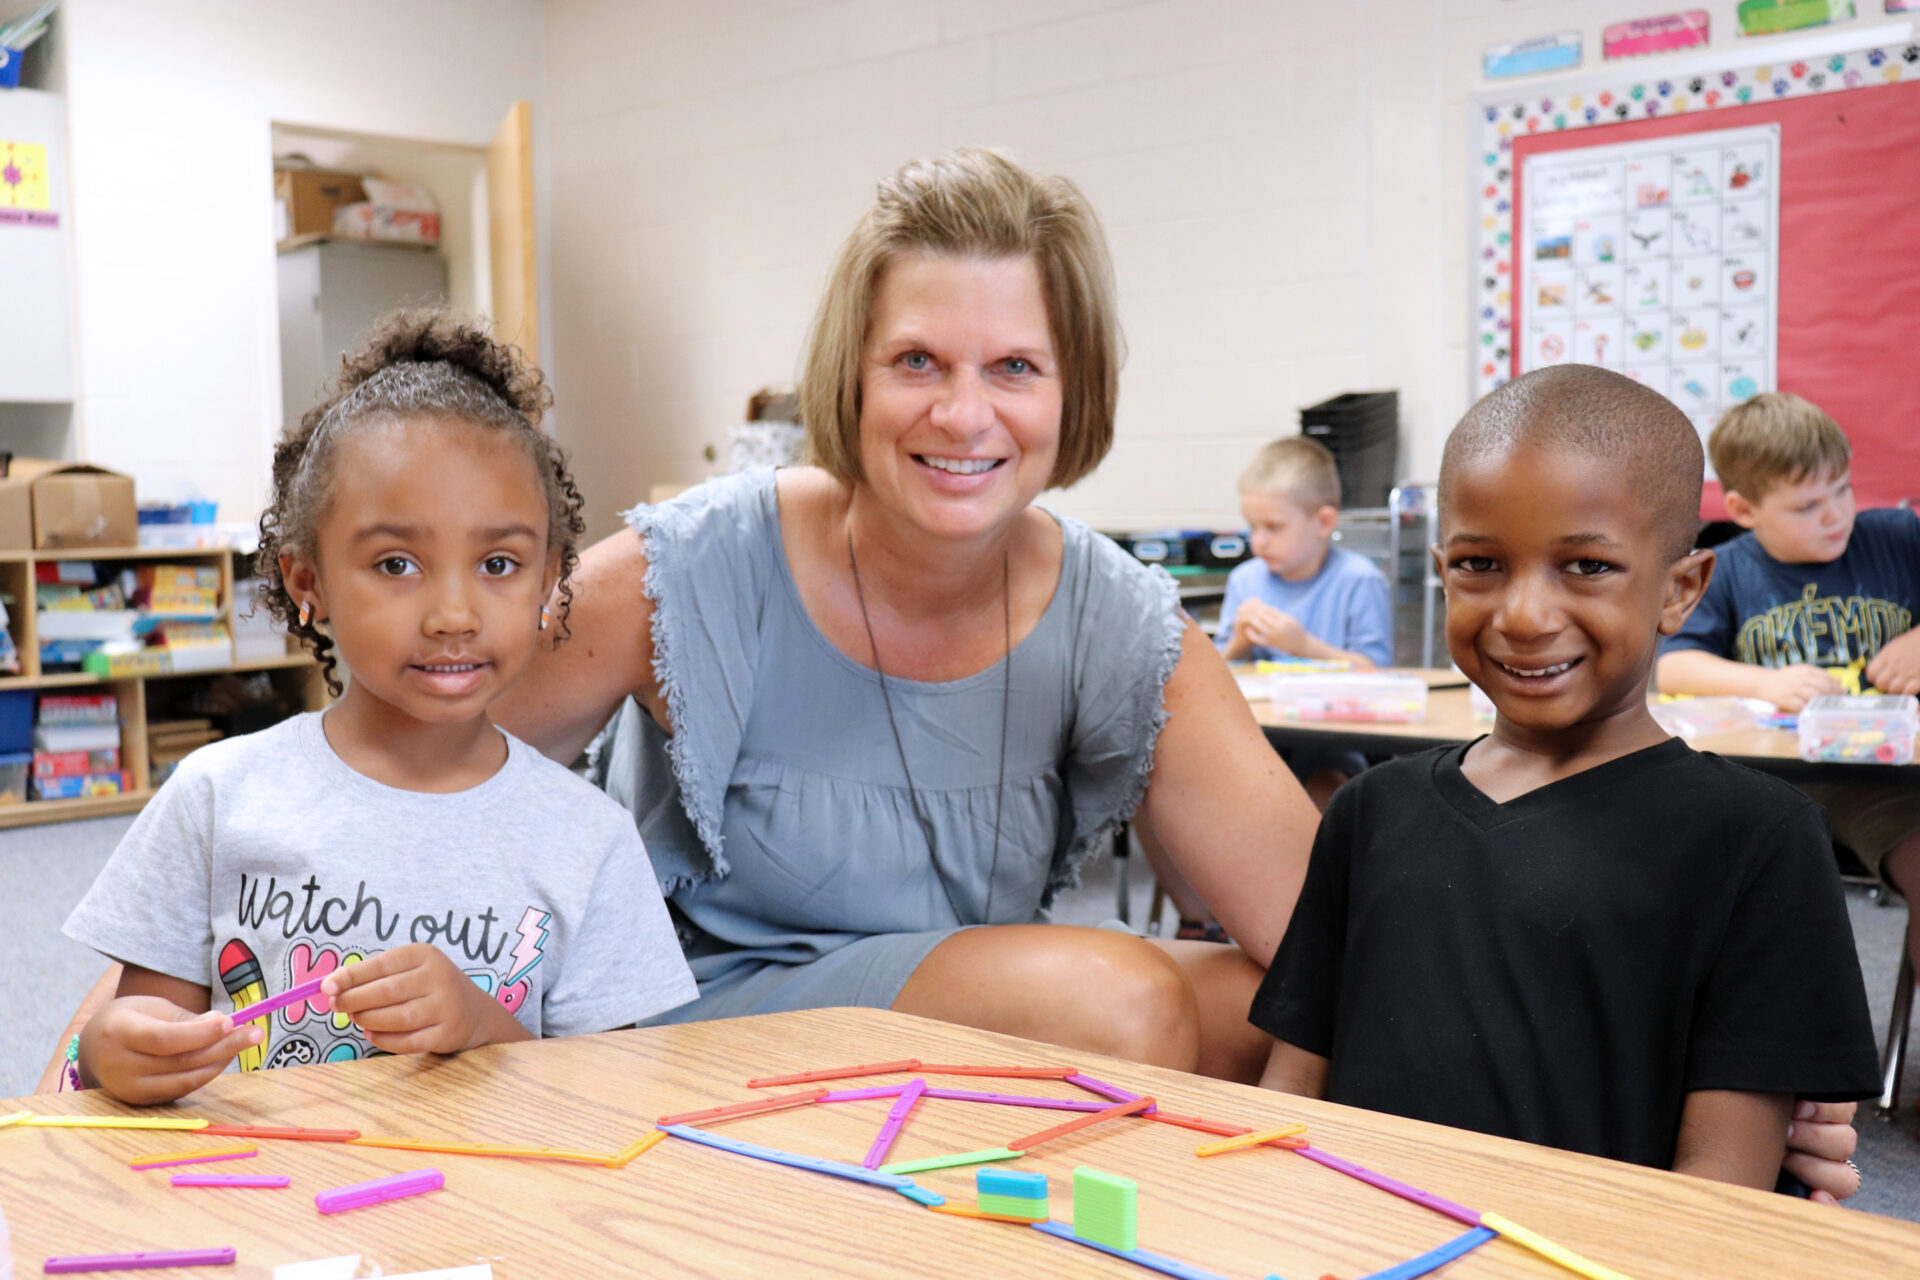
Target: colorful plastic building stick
[
  {"x": 230, "y": 1180},
  {"x": 1195, "y": 1122},
  {"x": 141, "y": 1261},
  {"x": 203, "y": 1155},
  {"x": 1012, "y": 1207},
  {"x": 483, "y": 1149},
  {"x": 1017, "y": 1100},
  {"x": 1113, "y": 1112},
  {"x": 1549, "y": 1250},
  {"x": 753, "y": 1108},
  {"x": 850, "y": 1171},
  {"x": 1006, "y": 1073},
  {"x": 952, "y": 1162},
  {"x": 15, "y": 1118},
  {"x": 1250, "y": 1140},
  {"x": 114, "y": 1122},
  {"x": 1438, "y": 1204},
  {"x": 896, "y": 1117},
  {"x": 638, "y": 1149},
  {"x": 836, "y": 1073},
  {"x": 271, "y": 1131},
  {"x": 358, "y": 1195},
  {"x": 1105, "y": 1090},
  {"x": 1105, "y": 1208},
  {"x": 1434, "y": 1259},
  {"x": 858, "y": 1095},
  {"x": 912, "y": 1191},
  {"x": 964, "y": 1211},
  {"x": 1139, "y": 1257},
  {"x": 273, "y": 1004}
]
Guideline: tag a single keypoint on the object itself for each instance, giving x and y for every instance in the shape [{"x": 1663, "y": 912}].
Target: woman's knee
[{"x": 1143, "y": 1007}]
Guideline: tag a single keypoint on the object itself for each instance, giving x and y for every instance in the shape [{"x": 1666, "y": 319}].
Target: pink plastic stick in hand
[
  {"x": 231, "y": 1180},
  {"x": 896, "y": 1116},
  {"x": 273, "y": 1004},
  {"x": 358, "y": 1195}
]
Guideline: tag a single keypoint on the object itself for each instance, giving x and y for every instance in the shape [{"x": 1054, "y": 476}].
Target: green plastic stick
[{"x": 948, "y": 1162}]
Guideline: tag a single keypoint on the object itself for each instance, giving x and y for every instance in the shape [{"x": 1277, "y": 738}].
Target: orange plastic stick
[
  {"x": 269, "y": 1131},
  {"x": 1007, "y": 1073},
  {"x": 1204, "y": 1126},
  {"x": 482, "y": 1149},
  {"x": 1080, "y": 1122},
  {"x": 968, "y": 1211},
  {"x": 198, "y": 1153},
  {"x": 638, "y": 1149},
  {"x": 753, "y": 1108},
  {"x": 835, "y": 1073}
]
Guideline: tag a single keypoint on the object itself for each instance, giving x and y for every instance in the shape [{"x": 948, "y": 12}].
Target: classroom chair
[{"x": 1894, "y": 1060}]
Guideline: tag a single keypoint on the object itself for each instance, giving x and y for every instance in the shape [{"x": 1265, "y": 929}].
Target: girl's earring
[
  {"x": 546, "y": 616},
  {"x": 306, "y": 612}
]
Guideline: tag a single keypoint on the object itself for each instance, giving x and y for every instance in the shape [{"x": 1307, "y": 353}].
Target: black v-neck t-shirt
[{"x": 1566, "y": 967}]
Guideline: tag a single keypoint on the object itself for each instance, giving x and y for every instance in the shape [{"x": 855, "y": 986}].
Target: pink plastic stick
[
  {"x": 360, "y": 1194},
  {"x": 140, "y": 1261},
  {"x": 273, "y": 1004},
  {"x": 224, "y": 1155},
  {"x": 857, "y": 1095},
  {"x": 1016, "y": 1100},
  {"x": 896, "y": 1116},
  {"x": 231, "y": 1180},
  {"x": 1106, "y": 1090}
]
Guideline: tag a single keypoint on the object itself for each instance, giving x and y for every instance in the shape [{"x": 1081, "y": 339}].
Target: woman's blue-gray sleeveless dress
[{"x": 777, "y": 815}]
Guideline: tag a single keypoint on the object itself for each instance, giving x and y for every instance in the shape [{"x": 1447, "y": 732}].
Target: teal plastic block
[{"x": 1011, "y": 1182}]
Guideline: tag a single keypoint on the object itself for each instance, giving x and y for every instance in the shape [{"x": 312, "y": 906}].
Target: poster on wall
[
  {"x": 1655, "y": 35},
  {"x": 1656, "y": 258}
]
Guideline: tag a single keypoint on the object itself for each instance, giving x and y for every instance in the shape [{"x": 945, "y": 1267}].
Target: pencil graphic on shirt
[{"x": 240, "y": 975}]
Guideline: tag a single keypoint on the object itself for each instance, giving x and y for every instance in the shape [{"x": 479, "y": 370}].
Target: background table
[{"x": 686, "y": 1209}]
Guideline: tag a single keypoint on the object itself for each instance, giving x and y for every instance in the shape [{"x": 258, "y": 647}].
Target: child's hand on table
[
  {"x": 145, "y": 1049},
  {"x": 1896, "y": 668},
  {"x": 1261, "y": 623},
  {"x": 1790, "y": 688},
  {"x": 413, "y": 999}
]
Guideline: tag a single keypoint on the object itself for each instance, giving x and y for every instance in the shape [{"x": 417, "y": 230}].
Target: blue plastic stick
[
  {"x": 914, "y": 1191},
  {"x": 1426, "y": 1263},
  {"x": 1139, "y": 1257},
  {"x": 852, "y": 1172}
]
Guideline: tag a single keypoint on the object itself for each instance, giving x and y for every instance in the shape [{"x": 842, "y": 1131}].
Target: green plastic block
[
  {"x": 1105, "y": 1208},
  {"x": 948, "y": 1162},
  {"x": 1013, "y": 1206}
]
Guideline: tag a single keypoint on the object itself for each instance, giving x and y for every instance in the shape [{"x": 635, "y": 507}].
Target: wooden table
[{"x": 683, "y": 1209}]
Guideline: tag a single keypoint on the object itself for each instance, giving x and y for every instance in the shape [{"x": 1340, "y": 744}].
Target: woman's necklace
[{"x": 1006, "y": 690}]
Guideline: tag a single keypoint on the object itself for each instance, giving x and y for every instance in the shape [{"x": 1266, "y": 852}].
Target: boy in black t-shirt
[{"x": 1575, "y": 931}]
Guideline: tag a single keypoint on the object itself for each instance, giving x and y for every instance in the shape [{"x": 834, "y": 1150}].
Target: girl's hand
[
  {"x": 1819, "y": 1141},
  {"x": 143, "y": 1049},
  {"x": 413, "y": 1000}
]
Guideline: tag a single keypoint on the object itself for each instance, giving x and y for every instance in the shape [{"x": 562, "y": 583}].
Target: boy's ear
[
  {"x": 1687, "y": 580},
  {"x": 1739, "y": 509},
  {"x": 1325, "y": 519},
  {"x": 303, "y": 582}
]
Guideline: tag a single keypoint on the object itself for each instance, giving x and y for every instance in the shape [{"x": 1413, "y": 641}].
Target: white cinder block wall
[{"x": 1282, "y": 182}]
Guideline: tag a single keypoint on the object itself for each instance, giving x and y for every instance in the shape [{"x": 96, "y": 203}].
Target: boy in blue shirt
[
  {"x": 1576, "y": 931},
  {"x": 1812, "y": 593},
  {"x": 1300, "y": 595}
]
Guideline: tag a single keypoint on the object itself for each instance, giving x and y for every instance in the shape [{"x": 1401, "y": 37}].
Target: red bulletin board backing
[{"x": 1849, "y": 245}]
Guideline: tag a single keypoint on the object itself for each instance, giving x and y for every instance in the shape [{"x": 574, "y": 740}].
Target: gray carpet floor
[{"x": 44, "y": 871}]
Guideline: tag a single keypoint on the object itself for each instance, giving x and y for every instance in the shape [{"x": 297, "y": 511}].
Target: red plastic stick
[
  {"x": 1080, "y": 1122},
  {"x": 1008, "y": 1073},
  {"x": 1204, "y": 1126},
  {"x": 835, "y": 1073},
  {"x": 267, "y": 1131},
  {"x": 753, "y": 1108}
]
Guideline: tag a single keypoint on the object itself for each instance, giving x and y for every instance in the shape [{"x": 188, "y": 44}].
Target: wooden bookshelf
[{"x": 295, "y": 672}]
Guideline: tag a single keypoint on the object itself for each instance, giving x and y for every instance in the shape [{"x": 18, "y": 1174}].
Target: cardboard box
[
  {"x": 309, "y": 197},
  {"x": 50, "y": 504}
]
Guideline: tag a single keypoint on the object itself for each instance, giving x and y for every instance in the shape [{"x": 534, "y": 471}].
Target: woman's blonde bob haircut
[{"x": 972, "y": 203}]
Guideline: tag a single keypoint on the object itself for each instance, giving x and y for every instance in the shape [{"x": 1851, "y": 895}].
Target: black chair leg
[
  {"x": 1121, "y": 850},
  {"x": 1894, "y": 1061}
]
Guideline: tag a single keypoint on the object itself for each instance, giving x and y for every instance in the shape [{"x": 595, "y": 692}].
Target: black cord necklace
[{"x": 1006, "y": 691}]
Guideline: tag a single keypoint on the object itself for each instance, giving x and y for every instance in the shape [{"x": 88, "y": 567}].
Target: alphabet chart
[{"x": 1656, "y": 258}]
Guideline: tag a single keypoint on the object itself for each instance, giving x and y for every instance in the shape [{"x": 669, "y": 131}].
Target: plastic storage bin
[
  {"x": 1349, "y": 696},
  {"x": 13, "y": 776},
  {"x": 16, "y": 720},
  {"x": 1876, "y": 728}
]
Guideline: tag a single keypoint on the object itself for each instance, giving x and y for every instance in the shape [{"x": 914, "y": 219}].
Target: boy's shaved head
[{"x": 1604, "y": 415}]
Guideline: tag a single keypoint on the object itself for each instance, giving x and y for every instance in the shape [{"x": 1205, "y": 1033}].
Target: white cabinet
[
  {"x": 330, "y": 292},
  {"x": 36, "y": 216}
]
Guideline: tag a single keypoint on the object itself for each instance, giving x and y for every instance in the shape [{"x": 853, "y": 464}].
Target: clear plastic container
[
  {"x": 13, "y": 776},
  {"x": 1873, "y": 728},
  {"x": 1364, "y": 698}
]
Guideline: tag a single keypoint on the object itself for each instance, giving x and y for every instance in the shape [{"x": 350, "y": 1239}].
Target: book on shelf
[
  {"x": 79, "y": 708},
  {"x": 177, "y": 589},
  {"x": 55, "y": 738},
  {"x": 82, "y": 785},
  {"x": 75, "y": 764}
]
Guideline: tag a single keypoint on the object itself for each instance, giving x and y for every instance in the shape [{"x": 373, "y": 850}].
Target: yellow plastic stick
[
  {"x": 198, "y": 1153},
  {"x": 17, "y": 1117},
  {"x": 480, "y": 1149},
  {"x": 638, "y": 1149},
  {"x": 1548, "y": 1249},
  {"x": 1248, "y": 1140},
  {"x": 114, "y": 1122}
]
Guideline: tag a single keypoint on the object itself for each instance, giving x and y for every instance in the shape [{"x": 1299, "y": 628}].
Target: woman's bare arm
[{"x": 573, "y": 686}]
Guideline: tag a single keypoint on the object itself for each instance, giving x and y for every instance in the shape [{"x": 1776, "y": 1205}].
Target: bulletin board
[{"x": 1845, "y": 274}]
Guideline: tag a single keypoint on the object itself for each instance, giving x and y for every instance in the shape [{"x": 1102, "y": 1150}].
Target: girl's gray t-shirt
[{"x": 778, "y": 814}]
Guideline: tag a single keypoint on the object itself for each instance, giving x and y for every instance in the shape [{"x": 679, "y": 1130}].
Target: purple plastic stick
[
  {"x": 1016, "y": 1100},
  {"x": 223, "y": 1155},
  {"x": 358, "y": 1195},
  {"x": 1437, "y": 1203},
  {"x": 896, "y": 1116},
  {"x": 1106, "y": 1090},
  {"x": 231, "y": 1180},
  {"x": 140, "y": 1261},
  {"x": 857, "y": 1095},
  {"x": 272, "y": 1004}
]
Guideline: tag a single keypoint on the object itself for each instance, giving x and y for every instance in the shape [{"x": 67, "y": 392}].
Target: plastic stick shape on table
[
  {"x": 1251, "y": 1140},
  {"x": 114, "y": 1122},
  {"x": 141, "y": 1261},
  {"x": 1075, "y": 1125},
  {"x": 231, "y": 1180},
  {"x": 793, "y": 1159},
  {"x": 1018, "y": 1100},
  {"x": 271, "y": 1131},
  {"x": 358, "y": 1195},
  {"x": 203, "y": 1155},
  {"x": 835, "y": 1073},
  {"x": 1112, "y": 1092},
  {"x": 484, "y": 1149},
  {"x": 753, "y": 1108},
  {"x": 961, "y": 1160},
  {"x": 896, "y": 1117},
  {"x": 1548, "y": 1249},
  {"x": 273, "y": 1004},
  {"x": 15, "y": 1118},
  {"x": 638, "y": 1149},
  {"x": 1005, "y": 1073}
]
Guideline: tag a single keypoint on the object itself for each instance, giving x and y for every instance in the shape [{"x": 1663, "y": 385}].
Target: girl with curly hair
[{"x": 450, "y": 885}]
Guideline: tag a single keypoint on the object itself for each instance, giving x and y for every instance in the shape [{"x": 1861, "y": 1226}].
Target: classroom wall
[
  {"x": 1283, "y": 183},
  {"x": 169, "y": 109}
]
